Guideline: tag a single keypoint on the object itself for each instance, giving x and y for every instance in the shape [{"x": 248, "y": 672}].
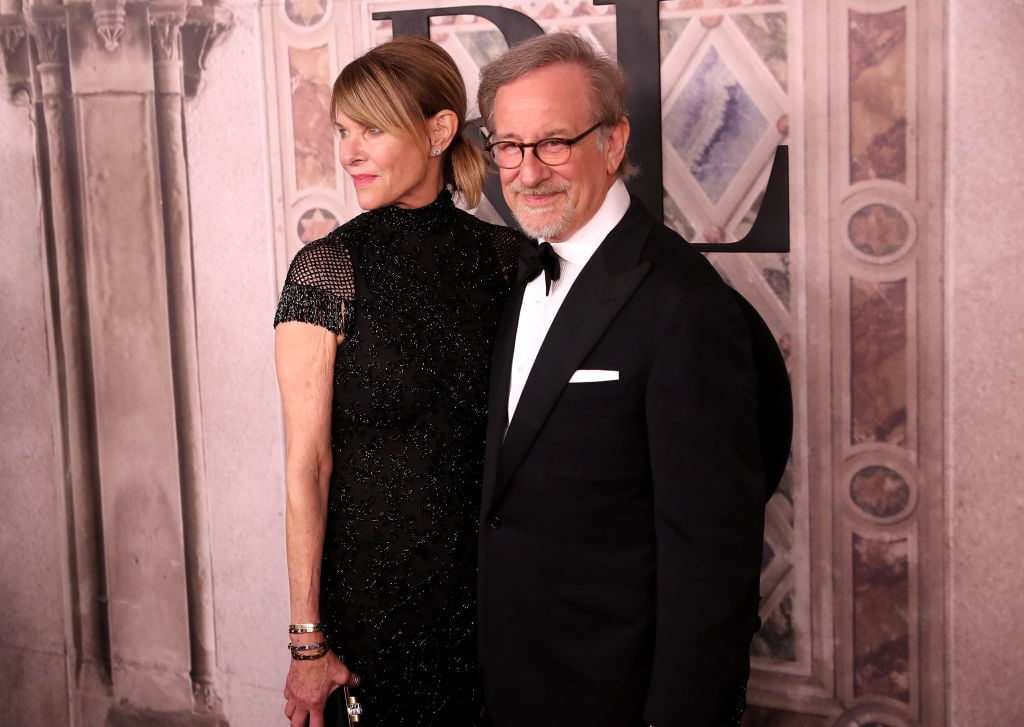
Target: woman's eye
[
  {"x": 343, "y": 133},
  {"x": 373, "y": 131}
]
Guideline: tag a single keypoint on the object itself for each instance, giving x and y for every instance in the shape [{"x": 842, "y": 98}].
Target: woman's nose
[{"x": 350, "y": 150}]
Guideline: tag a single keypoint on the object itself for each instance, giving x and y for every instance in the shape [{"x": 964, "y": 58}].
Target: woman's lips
[{"x": 363, "y": 180}]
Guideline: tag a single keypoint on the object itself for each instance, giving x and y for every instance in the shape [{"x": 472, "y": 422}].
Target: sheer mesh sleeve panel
[
  {"x": 507, "y": 243},
  {"x": 320, "y": 287}
]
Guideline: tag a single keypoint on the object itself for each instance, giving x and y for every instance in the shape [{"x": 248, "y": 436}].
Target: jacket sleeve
[{"x": 709, "y": 511}]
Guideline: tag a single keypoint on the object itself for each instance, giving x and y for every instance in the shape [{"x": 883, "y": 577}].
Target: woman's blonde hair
[{"x": 400, "y": 84}]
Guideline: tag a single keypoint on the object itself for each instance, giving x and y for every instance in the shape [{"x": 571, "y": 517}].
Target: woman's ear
[{"x": 441, "y": 128}]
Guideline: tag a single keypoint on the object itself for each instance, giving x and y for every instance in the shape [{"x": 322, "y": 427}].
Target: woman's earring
[{"x": 435, "y": 153}]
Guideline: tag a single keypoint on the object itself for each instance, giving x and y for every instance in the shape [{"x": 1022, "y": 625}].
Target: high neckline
[{"x": 423, "y": 220}]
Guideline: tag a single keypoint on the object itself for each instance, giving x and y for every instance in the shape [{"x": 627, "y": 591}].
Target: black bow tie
[{"x": 537, "y": 258}]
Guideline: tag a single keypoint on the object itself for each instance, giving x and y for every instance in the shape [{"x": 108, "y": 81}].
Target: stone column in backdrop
[{"x": 107, "y": 84}]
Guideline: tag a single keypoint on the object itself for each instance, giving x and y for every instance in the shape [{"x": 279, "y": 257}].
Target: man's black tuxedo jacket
[{"x": 622, "y": 521}]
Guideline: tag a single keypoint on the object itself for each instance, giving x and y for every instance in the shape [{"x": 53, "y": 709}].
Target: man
[{"x": 630, "y": 448}]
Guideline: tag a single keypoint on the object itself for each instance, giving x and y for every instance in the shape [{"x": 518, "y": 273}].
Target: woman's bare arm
[{"x": 305, "y": 372}]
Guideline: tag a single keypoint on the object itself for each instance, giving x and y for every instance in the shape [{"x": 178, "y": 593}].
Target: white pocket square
[{"x": 584, "y": 376}]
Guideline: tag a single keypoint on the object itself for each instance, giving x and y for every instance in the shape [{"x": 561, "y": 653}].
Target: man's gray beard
[{"x": 549, "y": 230}]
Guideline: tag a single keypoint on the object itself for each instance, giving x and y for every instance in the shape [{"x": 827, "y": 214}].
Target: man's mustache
[{"x": 541, "y": 189}]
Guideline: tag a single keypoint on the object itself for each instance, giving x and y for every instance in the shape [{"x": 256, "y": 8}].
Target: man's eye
[
  {"x": 552, "y": 145},
  {"x": 506, "y": 147}
]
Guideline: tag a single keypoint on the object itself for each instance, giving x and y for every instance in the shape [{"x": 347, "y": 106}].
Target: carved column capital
[
  {"x": 166, "y": 21},
  {"x": 47, "y": 28},
  {"x": 204, "y": 24},
  {"x": 14, "y": 64},
  {"x": 12, "y": 31},
  {"x": 108, "y": 17}
]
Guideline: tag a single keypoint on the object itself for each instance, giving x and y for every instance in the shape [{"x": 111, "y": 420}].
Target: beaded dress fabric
[{"x": 417, "y": 295}]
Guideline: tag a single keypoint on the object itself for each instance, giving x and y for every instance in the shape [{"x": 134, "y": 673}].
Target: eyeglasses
[{"x": 553, "y": 152}]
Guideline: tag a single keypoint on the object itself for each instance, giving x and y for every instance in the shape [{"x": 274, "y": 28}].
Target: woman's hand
[{"x": 310, "y": 683}]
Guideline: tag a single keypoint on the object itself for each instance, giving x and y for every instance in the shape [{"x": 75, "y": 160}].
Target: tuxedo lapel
[{"x": 602, "y": 288}]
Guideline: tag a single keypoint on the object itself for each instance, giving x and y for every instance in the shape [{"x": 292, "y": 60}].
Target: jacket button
[{"x": 494, "y": 521}]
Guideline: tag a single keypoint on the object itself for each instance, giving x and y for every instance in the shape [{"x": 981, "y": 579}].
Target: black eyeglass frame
[{"x": 533, "y": 145}]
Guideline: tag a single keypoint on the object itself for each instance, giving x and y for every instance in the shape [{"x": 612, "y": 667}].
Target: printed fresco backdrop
[
  {"x": 163, "y": 161},
  {"x": 739, "y": 77}
]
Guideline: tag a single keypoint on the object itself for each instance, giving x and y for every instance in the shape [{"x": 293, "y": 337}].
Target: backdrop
[{"x": 162, "y": 162}]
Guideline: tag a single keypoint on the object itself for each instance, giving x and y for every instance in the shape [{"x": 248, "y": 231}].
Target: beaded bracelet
[{"x": 305, "y": 628}]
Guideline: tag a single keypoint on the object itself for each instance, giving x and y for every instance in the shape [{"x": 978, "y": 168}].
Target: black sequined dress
[{"x": 417, "y": 294}]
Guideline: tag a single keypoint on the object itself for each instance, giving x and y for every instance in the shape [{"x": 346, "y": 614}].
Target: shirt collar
[{"x": 580, "y": 246}]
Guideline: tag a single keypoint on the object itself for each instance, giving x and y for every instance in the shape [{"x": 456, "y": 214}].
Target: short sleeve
[{"x": 320, "y": 287}]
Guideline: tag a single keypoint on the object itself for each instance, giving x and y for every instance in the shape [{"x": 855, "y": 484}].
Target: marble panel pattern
[
  {"x": 768, "y": 34},
  {"x": 714, "y": 125},
  {"x": 315, "y": 223},
  {"x": 776, "y": 639},
  {"x": 305, "y": 13},
  {"x": 878, "y": 230},
  {"x": 878, "y": 95},
  {"x": 309, "y": 72},
  {"x": 880, "y": 492},
  {"x": 881, "y": 609},
  {"x": 878, "y": 361}
]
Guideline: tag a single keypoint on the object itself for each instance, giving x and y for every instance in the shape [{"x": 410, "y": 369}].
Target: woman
[{"x": 383, "y": 340}]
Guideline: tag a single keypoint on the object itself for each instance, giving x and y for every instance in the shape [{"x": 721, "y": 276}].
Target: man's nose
[{"x": 532, "y": 169}]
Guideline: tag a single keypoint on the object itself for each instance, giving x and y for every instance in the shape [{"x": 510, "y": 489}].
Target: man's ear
[
  {"x": 441, "y": 129},
  {"x": 615, "y": 145}
]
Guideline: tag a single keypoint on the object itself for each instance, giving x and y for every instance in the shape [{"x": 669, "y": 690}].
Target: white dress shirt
[{"x": 538, "y": 309}]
